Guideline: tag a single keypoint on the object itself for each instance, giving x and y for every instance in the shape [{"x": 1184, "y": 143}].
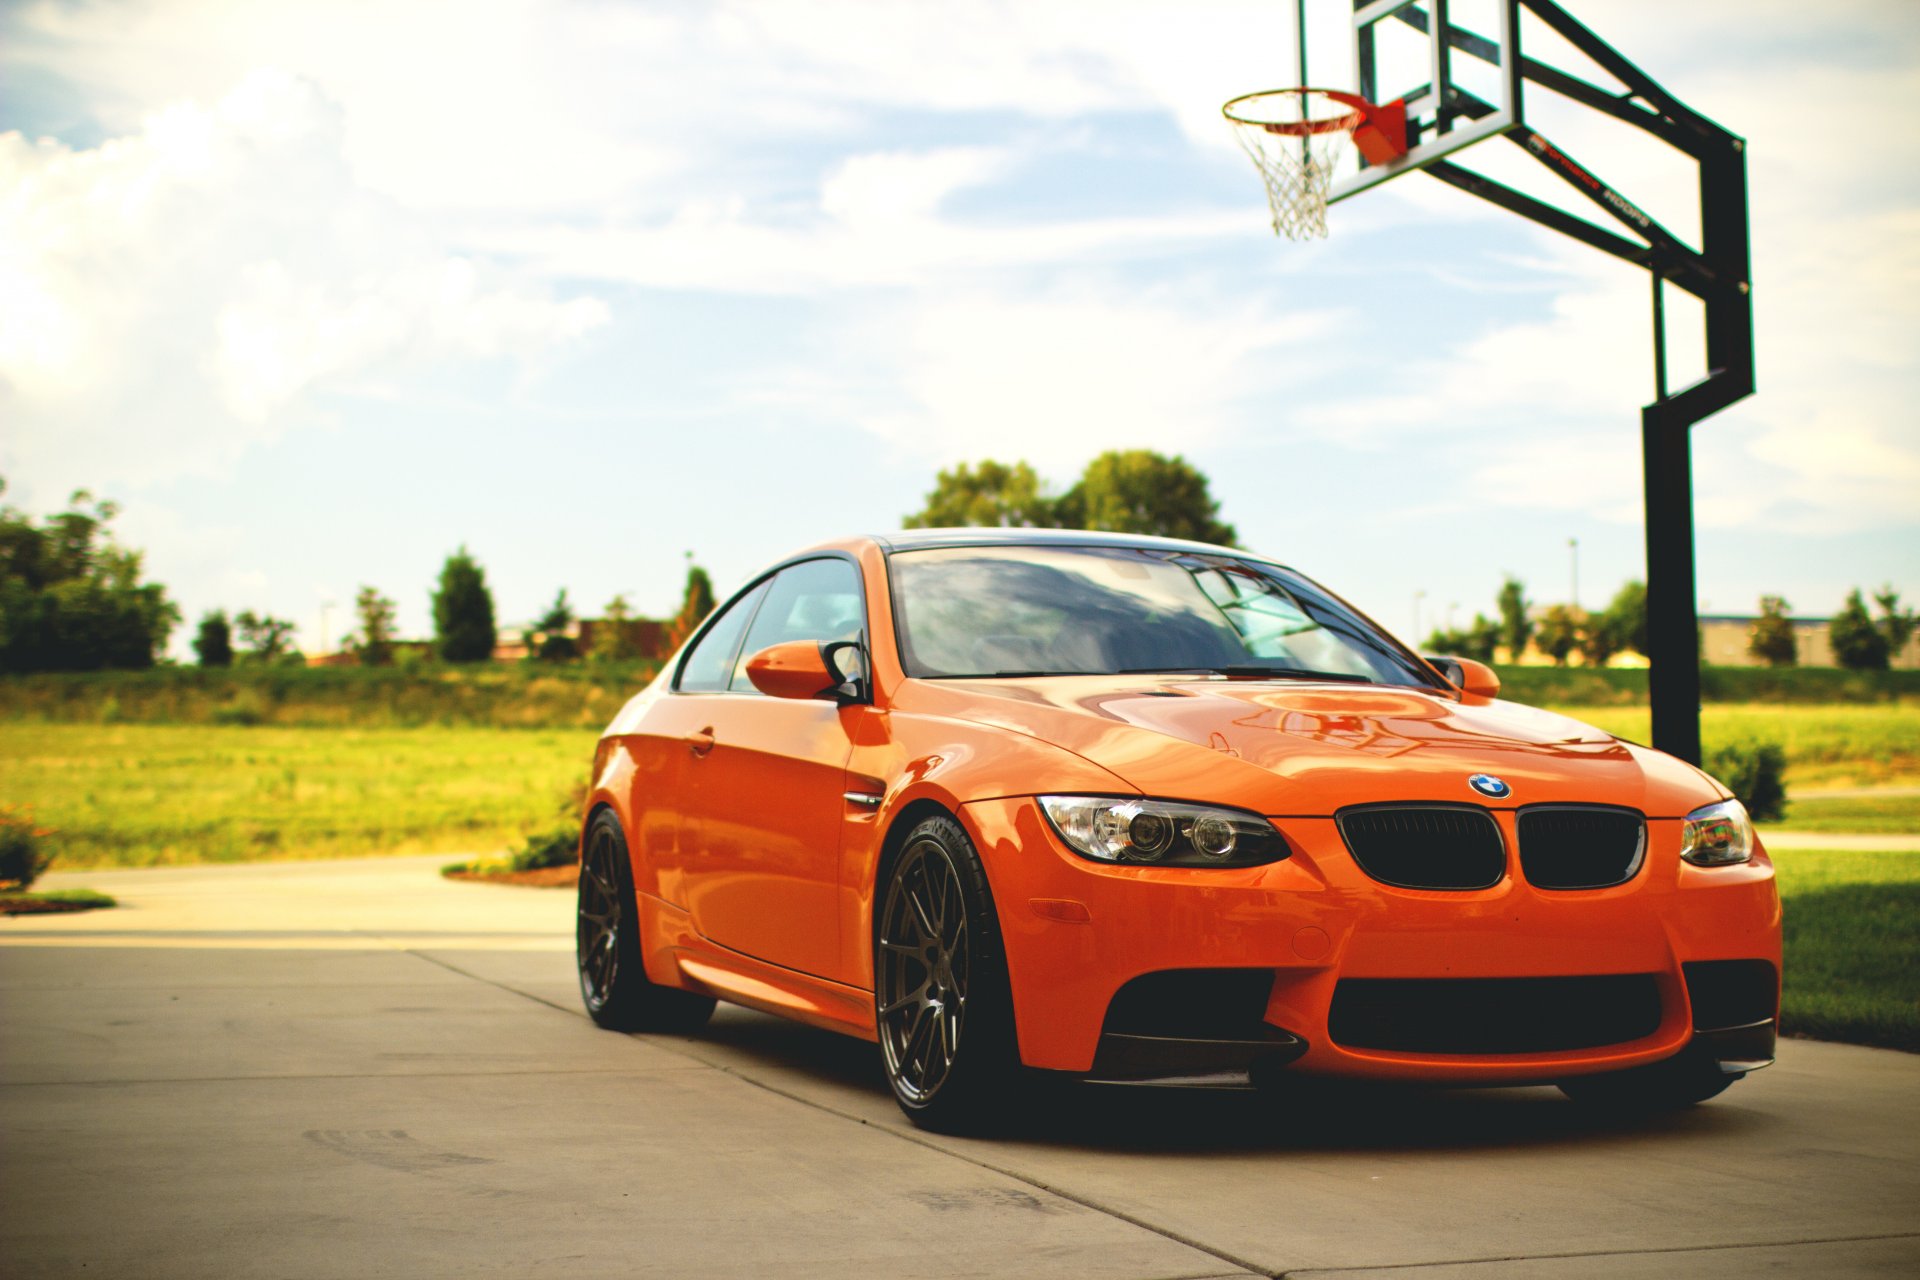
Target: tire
[
  {"x": 942, "y": 1004},
  {"x": 1673, "y": 1085},
  {"x": 613, "y": 977}
]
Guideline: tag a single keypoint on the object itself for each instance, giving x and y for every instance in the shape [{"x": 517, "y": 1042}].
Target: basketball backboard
[{"x": 1455, "y": 64}]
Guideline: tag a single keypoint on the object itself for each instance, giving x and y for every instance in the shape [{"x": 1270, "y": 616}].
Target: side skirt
[{"x": 681, "y": 957}]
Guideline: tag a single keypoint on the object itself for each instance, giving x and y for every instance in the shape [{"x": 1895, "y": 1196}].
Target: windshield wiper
[{"x": 1243, "y": 669}]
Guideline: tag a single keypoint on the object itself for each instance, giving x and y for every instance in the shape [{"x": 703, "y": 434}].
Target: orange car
[{"x": 1154, "y": 811}]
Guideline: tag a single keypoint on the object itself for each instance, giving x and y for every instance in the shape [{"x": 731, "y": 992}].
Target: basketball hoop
[{"x": 1296, "y": 137}]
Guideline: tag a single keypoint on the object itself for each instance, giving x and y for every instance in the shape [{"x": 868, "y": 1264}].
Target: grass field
[
  {"x": 144, "y": 795},
  {"x": 149, "y": 795},
  {"x": 1852, "y": 946},
  {"x": 1863, "y": 815},
  {"x": 1869, "y": 744}
]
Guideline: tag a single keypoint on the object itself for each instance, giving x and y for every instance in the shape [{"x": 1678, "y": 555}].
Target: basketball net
[{"x": 1297, "y": 137}]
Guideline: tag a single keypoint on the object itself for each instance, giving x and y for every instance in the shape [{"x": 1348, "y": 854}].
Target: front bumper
[{"x": 1315, "y": 920}]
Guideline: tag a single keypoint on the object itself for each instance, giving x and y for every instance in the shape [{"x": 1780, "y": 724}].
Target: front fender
[{"x": 918, "y": 764}]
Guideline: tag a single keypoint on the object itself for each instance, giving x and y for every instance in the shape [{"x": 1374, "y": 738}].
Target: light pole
[{"x": 1573, "y": 550}]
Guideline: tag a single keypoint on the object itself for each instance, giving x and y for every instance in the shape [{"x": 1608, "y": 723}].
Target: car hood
[{"x": 1300, "y": 748}]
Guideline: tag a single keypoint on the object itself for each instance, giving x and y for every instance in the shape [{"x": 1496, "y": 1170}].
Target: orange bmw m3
[{"x": 1149, "y": 811}]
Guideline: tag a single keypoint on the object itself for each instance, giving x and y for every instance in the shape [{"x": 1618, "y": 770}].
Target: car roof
[{"x": 923, "y": 539}]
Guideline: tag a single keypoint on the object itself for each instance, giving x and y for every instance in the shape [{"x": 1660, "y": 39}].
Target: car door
[
  {"x": 675, "y": 730},
  {"x": 762, "y": 802}
]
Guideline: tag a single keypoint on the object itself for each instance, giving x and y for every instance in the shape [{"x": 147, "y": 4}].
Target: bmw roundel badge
[{"x": 1489, "y": 786}]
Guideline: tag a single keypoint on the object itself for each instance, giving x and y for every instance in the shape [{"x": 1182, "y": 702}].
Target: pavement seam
[
  {"x": 1242, "y": 1264},
  {"x": 1301, "y": 1272},
  {"x": 340, "y": 1075}
]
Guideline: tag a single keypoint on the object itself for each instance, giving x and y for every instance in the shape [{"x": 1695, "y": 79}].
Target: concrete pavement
[{"x": 335, "y": 1069}]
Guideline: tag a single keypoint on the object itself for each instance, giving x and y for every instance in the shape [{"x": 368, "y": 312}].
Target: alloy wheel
[
  {"x": 597, "y": 935},
  {"x": 923, "y": 972}
]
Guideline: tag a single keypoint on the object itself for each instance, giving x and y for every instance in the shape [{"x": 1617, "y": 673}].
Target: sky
[{"x": 320, "y": 292}]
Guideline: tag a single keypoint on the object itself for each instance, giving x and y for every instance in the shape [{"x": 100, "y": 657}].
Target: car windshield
[{"x": 1052, "y": 610}]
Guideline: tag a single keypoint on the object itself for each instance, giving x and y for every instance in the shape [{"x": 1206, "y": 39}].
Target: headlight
[
  {"x": 1163, "y": 833},
  {"x": 1718, "y": 835}
]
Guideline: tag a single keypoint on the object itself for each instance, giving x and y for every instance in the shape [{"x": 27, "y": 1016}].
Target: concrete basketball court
[{"x": 357, "y": 1068}]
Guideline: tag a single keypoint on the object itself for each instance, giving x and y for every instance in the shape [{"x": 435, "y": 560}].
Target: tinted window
[
  {"x": 813, "y": 600},
  {"x": 708, "y": 665},
  {"x": 1008, "y": 611}
]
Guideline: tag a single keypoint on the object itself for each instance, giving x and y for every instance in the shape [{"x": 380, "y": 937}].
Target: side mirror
[
  {"x": 1472, "y": 677},
  {"x": 805, "y": 669}
]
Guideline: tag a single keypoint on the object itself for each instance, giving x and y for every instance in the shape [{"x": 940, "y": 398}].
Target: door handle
[{"x": 701, "y": 741}]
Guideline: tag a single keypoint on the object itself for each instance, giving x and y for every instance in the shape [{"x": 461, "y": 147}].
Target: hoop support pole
[{"x": 1718, "y": 274}]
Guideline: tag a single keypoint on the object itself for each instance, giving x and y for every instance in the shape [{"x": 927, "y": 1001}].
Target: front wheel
[
  {"x": 1679, "y": 1082},
  {"x": 613, "y": 978},
  {"x": 941, "y": 999}
]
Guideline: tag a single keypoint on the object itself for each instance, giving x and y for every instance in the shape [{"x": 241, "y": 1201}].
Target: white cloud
[
  {"x": 1058, "y": 378},
  {"x": 173, "y": 294}
]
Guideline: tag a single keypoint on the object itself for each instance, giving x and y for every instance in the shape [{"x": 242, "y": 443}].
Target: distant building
[
  {"x": 1724, "y": 638},
  {"x": 648, "y": 636}
]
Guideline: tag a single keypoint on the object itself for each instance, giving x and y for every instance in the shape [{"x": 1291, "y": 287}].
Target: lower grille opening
[
  {"x": 1195, "y": 1004},
  {"x": 1493, "y": 1015},
  {"x": 1731, "y": 993},
  {"x": 1194, "y": 1027}
]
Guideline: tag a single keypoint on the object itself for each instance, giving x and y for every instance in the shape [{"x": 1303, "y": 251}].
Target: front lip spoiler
[
  {"x": 1740, "y": 1049},
  {"x": 1191, "y": 1062}
]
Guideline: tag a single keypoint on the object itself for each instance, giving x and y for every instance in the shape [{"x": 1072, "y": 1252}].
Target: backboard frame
[{"x": 1443, "y": 119}]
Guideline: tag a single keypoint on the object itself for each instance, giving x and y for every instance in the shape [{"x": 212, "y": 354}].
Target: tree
[
  {"x": 1516, "y": 622},
  {"x": 213, "y": 644},
  {"x": 463, "y": 610},
  {"x": 555, "y": 645},
  {"x": 71, "y": 598},
  {"x": 1558, "y": 634},
  {"x": 612, "y": 637},
  {"x": 373, "y": 644},
  {"x": 1627, "y": 616},
  {"x": 1858, "y": 645},
  {"x": 1895, "y": 624},
  {"x": 1771, "y": 640},
  {"x": 1477, "y": 641},
  {"x": 1622, "y": 625},
  {"x": 986, "y": 494},
  {"x": 696, "y": 602},
  {"x": 1140, "y": 491},
  {"x": 267, "y": 639}
]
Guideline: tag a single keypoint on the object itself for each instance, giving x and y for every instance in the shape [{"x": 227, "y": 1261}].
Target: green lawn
[
  {"x": 142, "y": 795},
  {"x": 1853, "y": 946},
  {"x": 147, "y": 795},
  {"x": 1871, "y": 815},
  {"x": 1834, "y": 745}
]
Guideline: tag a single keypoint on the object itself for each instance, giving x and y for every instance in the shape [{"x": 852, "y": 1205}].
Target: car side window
[
  {"x": 711, "y": 661},
  {"x": 812, "y": 600}
]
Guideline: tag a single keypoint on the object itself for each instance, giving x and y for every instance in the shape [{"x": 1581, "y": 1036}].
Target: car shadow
[{"x": 1297, "y": 1113}]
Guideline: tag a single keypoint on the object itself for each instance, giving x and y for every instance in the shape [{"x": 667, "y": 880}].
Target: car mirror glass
[{"x": 846, "y": 661}]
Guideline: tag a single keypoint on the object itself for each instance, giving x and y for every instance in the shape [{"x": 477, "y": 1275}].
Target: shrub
[
  {"x": 22, "y": 855},
  {"x": 556, "y": 848},
  {"x": 1756, "y": 773},
  {"x": 246, "y": 708}
]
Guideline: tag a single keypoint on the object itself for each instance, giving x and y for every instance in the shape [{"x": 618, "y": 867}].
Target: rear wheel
[
  {"x": 613, "y": 978},
  {"x": 941, "y": 999},
  {"x": 1679, "y": 1082}
]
